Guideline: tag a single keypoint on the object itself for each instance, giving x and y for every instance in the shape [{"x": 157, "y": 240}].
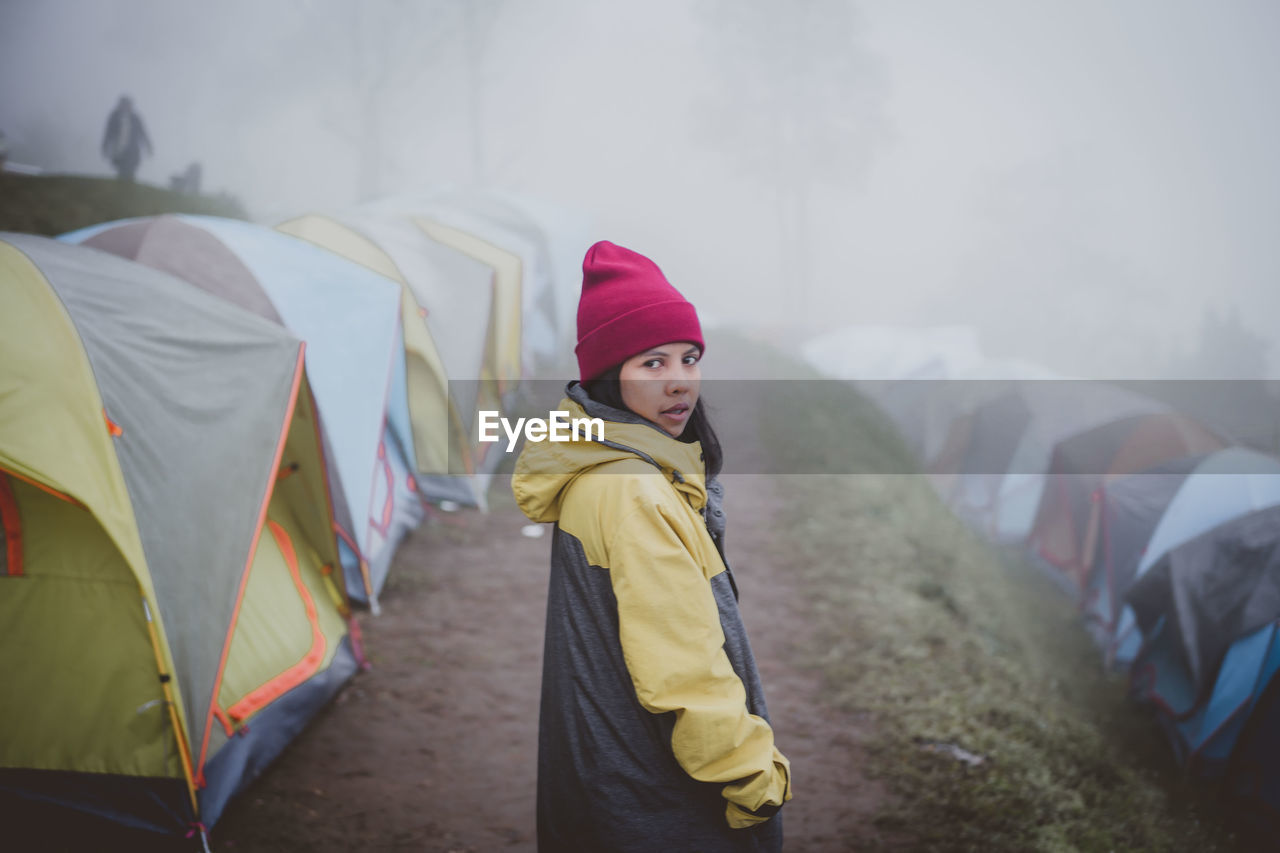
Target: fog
[{"x": 1091, "y": 184}]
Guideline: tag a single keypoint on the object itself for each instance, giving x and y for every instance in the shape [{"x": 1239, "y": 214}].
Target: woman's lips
[{"x": 676, "y": 413}]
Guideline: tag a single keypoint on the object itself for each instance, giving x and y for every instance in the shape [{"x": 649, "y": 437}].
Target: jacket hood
[{"x": 545, "y": 469}]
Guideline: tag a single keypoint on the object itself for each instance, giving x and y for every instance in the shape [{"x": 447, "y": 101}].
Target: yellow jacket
[{"x": 653, "y": 731}]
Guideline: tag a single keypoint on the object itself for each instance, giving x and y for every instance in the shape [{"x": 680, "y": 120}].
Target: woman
[{"x": 653, "y": 729}]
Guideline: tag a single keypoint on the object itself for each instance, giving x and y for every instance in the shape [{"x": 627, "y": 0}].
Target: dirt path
[
  {"x": 834, "y": 801},
  {"x": 434, "y": 749}
]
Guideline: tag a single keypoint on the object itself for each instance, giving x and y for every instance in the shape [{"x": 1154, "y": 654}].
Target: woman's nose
[{"x": 681, "y": 379}]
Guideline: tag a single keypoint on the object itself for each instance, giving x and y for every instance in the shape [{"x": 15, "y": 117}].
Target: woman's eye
[
  {"x": 653, "y": 363},
  {"x": 690, "y": 360}
]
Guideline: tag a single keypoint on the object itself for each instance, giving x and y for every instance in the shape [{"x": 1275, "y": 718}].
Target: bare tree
[
  {"x": 1227, "y": 349},
  {"x": 384, "y": 52},
  {"x": 479, "y": 17},
  {"x": 798, "y": 105}
]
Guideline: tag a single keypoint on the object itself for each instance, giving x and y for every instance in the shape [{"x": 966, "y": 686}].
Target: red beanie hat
[{"x": 627, "y": 306}]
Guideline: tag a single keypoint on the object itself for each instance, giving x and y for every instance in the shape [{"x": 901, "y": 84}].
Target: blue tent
[
  {"x": 1204, "y": 730},
  {"x": 1251, "y": 780},
  {"x": 1210, "y": 615},
  {"x": 1226, "y": 485}
]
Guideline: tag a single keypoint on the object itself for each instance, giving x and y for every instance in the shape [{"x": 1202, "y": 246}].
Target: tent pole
[{"x": 178, "y": 732}]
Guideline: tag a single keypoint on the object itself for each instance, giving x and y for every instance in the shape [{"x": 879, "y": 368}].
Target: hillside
[{"x": 54, "y": 204}]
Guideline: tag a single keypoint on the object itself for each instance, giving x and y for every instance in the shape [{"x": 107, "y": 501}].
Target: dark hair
[{"x": 607, "y": 389}]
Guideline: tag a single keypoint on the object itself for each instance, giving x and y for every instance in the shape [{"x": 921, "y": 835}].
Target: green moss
[{"x": 946, "y": 641}]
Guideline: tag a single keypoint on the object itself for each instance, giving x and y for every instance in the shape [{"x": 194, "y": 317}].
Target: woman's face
[{"x": 661, "y": 384}]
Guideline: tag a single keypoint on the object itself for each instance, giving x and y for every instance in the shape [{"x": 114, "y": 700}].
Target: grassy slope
[
  {"x": 55, "y": 204},
  {"x": 944, "y": 640}
]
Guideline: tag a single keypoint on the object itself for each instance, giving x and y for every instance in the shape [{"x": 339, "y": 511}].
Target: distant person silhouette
[{"x": 123, "y": 141}]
